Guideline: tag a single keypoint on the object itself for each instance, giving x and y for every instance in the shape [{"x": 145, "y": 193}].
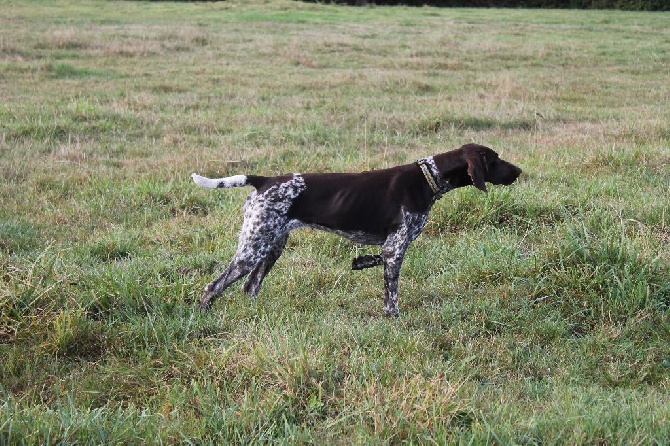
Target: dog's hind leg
[
  {"x": 251, "y": 251},
  {"x": 237, "y": 269},
  {"x": 255, "y": 278}
]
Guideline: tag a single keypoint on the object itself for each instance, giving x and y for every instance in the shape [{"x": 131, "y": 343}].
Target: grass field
[{"x": 534, "y": 314}]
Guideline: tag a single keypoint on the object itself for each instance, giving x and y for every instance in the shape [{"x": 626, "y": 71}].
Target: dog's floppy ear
[{"x": 477, "y": 169}]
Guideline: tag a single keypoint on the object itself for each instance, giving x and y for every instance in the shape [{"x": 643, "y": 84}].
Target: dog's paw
[
  {"x": 366, "y": 261},
  {"x": 394, "y": 313},
  {"x": 205, "y": 302},
  {"x": 391, "y": 309}
]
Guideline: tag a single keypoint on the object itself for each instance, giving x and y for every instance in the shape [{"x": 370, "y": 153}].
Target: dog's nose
[{"x": 513, "y": 174}]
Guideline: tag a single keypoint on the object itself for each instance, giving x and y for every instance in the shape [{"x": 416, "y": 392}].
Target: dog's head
[{"x": 474, "y": 164}]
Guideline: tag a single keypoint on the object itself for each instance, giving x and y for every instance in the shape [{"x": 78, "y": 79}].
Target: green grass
[{"x": 534, "y": 314}]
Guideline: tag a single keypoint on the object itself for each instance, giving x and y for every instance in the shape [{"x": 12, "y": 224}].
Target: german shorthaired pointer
[{"x": 386, "y": 207}]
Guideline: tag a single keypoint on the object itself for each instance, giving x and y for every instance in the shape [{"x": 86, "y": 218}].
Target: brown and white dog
[{"x": 387, "y": 207}]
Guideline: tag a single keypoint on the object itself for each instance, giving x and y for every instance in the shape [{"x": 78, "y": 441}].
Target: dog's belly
[{"x": 362, "y": 237}]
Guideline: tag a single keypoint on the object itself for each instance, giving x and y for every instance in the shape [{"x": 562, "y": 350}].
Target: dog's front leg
[{"x": 393, "y": 252}]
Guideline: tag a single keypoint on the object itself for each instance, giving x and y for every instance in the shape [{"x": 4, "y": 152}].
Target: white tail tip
[
  {"x": 204, "y": 181},
  {"x": 234, "y": 181}
]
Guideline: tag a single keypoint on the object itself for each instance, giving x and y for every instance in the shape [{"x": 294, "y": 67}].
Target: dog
[{"x": 387, "y": 207}]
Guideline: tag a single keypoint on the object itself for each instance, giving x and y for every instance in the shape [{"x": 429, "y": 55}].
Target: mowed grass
[{"x": 538, "y": 313}]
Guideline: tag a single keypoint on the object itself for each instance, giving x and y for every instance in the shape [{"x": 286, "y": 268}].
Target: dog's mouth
[
  {"x": 515, "y": 174},
  {"x": 512, "y": 172}
]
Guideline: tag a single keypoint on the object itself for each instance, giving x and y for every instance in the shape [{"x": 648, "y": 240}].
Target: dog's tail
[{"x": 214, "y": 183}]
